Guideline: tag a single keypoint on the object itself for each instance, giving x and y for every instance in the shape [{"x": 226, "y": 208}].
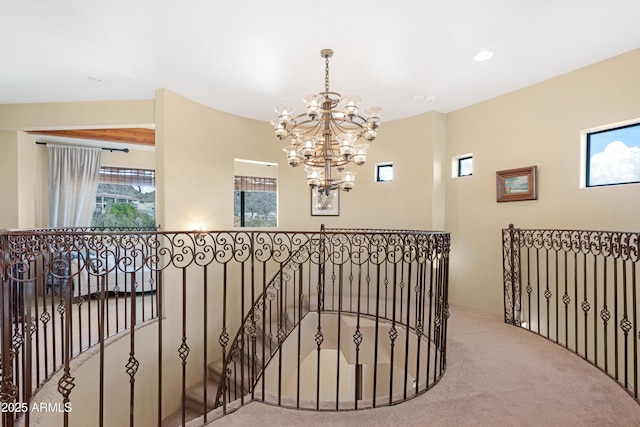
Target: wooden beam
[{"x": 131, "y": 135}]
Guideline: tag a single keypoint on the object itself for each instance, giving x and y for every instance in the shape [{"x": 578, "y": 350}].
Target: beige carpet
[{"x": 497, "y": 375}]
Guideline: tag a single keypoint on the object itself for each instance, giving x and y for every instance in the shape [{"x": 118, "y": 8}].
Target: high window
[
  {"x": 125, "y": 198},
  {"x": 465, "y": 166},
  {"x": 462, "y": 165},
  {"x": 384, "y": 172},
  {"x": 613, "y": 156}
]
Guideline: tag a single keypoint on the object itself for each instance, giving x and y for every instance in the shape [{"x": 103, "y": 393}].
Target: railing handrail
[
  {"x": 368, "y": 231},
  {"x": 578, "y": 289}
]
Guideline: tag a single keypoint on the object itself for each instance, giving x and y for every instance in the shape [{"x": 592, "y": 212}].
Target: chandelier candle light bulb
[
  {"x": 325, "y": 137},
  {"x": 314, "y": 104},
  {"x": 351, "y": 104},
  {"x": 346, "y": 141},
  {"x": 360, "y": 156},
  {"x": 348, "y": 180}
]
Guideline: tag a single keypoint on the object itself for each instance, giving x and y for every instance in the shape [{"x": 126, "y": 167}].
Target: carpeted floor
[{"x": 497, "y": 375}]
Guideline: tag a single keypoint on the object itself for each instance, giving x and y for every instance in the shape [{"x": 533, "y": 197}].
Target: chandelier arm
[
  {"x": 300, "y": 117},
  {"x": 347, "y": 126},
  {"x": 335, "y": 97},
  {"x": 355, "y": 118},
  {"x": 304, "y": 128},
  {"x": 337, "y": 162}
]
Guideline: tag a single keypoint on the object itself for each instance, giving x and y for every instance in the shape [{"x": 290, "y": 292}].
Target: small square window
[
  {"x": 465, "y": 166},
  {"x": 384, "y": 172}
]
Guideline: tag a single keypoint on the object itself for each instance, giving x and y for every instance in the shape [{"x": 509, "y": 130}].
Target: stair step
[
  {"x": 194, "y": 402},
  {"x": 217, "y": 367},
  {"x": 195, "y": 395},
  {"x": 175, "y": 419}
]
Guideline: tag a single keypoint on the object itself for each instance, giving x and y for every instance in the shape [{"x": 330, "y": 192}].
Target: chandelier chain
[{"x": 326, "y": 74}]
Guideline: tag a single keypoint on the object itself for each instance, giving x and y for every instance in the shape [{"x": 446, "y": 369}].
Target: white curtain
[{"x": 73, "y": 182}]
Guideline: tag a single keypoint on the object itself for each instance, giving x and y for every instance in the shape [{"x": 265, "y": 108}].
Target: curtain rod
[{"x": 124, "y": 150}]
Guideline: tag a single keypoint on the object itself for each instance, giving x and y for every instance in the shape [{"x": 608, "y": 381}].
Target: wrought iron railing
[
  {"x": 55, "y": 289},
  {"x": 579, "y": 289},
  {"x": 388, "y": 278},
  {"x": 374, "y": 303}
]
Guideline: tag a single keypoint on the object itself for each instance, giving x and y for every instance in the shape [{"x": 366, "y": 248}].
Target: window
[
  {"x": 255, "y": 196},
  {"x": 384, "y": 172},
  {"x": 465, "y": 166},
  {"x": 255, "y": 202},
  {"x": 125, "y": 198},
  {"x": 462, "y": 165},
  {"x": 613, "y": 156}
]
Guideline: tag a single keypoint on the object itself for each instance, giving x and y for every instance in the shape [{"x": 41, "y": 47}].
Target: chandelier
[{"x": 328, "y": 135}]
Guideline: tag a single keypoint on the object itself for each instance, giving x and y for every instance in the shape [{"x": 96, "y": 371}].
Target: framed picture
[
  {"x": 516, "y": 184},
  {"x": 323, "y": 205}
]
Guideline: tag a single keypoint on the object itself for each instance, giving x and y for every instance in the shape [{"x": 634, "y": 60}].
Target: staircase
[{"x": 242, "y": 375}]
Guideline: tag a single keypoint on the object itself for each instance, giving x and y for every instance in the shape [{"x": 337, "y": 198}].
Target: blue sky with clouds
[{"x": 615, "y": 156}]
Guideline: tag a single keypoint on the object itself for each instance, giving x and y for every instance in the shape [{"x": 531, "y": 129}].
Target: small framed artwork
[
  {"x": 323, "y": 204},
  {"x": 516, "y": 184}
]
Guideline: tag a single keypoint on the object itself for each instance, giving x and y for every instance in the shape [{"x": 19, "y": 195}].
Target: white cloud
[{"x": 618, "y": 163}]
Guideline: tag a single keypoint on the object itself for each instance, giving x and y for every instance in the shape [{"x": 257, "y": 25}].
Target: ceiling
[{"x": 244, "y": 57}]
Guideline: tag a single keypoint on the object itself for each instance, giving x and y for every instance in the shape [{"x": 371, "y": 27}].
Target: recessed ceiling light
[
  {"x": 483, "y": 55},
  {"x": 423, "y": 99}
]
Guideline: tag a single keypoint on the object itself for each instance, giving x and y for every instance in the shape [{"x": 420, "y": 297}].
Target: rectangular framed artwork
[
  {"x": 323, "y": 205},
  {"x": 516, "y": 184}
]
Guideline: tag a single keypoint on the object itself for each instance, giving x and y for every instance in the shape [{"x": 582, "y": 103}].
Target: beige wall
[
  {"x": 117, "y": 387},
  {"x": 32, "y": 183},
  {"x": 71, "y": 115},
  {"x": 195, "y": 150},
  {"x": 538, "y": 125},
  {"x": 8, "y": 179},
  {"x": 246, "y": 168}
]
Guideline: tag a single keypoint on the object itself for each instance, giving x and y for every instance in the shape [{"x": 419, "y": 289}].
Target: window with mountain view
[
  {"x": 125, "y": 198},
  {"x": 255, "y": 202}
]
